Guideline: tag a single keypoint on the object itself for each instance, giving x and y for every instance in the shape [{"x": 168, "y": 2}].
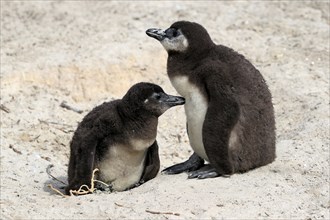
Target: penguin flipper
[
  {"x": 193, "y": 163},
  {"x": 221, "y": 116},
  {"x": 81, "y": 162},
  {"x": 86, "y": 139},
  {"x": 152, "y": 164}
]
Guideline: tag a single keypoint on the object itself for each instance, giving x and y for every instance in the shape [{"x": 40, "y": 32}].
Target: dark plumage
[
  {"x": 119, "y": 138},
  {"x": 229, "y": 108}
]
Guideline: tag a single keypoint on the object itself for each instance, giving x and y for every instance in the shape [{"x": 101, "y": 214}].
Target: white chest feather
[
  {"x": 122, "y": 166},
  {"x": 195, "y": 108}
]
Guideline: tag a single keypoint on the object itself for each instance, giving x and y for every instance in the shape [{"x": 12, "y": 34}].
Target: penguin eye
[
  {"x": 156, "y": 96},
  {"x": 171, "y": 32},
  {"x": 175, "y": 33}
]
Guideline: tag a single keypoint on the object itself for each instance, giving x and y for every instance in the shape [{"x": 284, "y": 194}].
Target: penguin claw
[
  {"x": 205, "y": 172},
  {"x": 204, "y": 175},
  {"x": 192, "y": 175},
  {"x": 211, "y": 174}
]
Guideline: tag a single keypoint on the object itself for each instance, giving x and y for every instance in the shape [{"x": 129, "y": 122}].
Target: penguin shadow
[{"x": 54, "y": 184}]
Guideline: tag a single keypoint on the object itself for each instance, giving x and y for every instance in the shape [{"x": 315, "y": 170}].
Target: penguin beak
[
  {"x": 171, "y": 100},
  {"x": 156, "y": 33}
]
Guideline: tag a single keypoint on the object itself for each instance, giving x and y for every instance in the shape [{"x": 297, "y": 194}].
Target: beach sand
[{"x": 85, "y": 53}]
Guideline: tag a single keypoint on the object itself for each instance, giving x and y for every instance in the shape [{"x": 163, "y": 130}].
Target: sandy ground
[{"x": 85, "y": 53}]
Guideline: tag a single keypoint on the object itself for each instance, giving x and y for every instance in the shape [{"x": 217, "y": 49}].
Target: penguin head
[
  {"x": 150, "y": 98},
  {"x": 182, "y": 37}
]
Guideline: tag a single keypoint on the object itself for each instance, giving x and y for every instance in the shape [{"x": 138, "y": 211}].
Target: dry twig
[
  {"x": 65, "y": 105},
  {"x": 165, "y": 213},
  {"x": 64, "y": 131},
  {"x": 14, "y": 149},
  {"x": 4, "y": 108},
  {"x": 120, "y": 205},
  {"x": 54, "y": 123}
]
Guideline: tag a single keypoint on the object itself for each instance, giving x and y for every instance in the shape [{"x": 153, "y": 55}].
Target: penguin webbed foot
[
  {"x": 135, "y": 185},
  {"x": 205, "y": 172},
  {"x": 104, "y": 188},
  {"x": 193, "y": 163}
]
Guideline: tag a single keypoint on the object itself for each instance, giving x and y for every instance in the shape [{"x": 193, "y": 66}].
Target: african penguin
[
  {"x": 119, "y": 138},
  {"x": 229, "y": 110}
]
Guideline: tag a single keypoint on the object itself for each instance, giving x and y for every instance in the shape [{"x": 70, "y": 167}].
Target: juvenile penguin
[
  {"x": 119, "y": 138},
  {"x": 229, "y": 110}
]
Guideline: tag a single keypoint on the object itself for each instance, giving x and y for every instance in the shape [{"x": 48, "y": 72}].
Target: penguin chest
[
  {"x": 195, "y": 109},
  {"x": 123, "y": 165}
]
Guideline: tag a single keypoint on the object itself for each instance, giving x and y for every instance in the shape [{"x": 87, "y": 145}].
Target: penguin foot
[
  {"x": 102, "y": 187},
  {"x": 193, "y": 163},
  {"x": 135, "y": 185},
  {"x": 205, "y": 172}
]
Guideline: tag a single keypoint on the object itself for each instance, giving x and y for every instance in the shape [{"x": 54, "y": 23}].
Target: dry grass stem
[
  {"x": 56, "y": 190},
  {"x": 82, "y": 191}
]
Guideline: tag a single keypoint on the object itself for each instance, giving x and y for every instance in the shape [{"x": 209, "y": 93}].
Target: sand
[{"x": 85, "y": 53}]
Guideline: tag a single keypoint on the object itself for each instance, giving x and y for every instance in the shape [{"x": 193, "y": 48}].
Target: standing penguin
[
  {"x": 119, "y": 138},
  {"x": 230, "y": 115}
]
